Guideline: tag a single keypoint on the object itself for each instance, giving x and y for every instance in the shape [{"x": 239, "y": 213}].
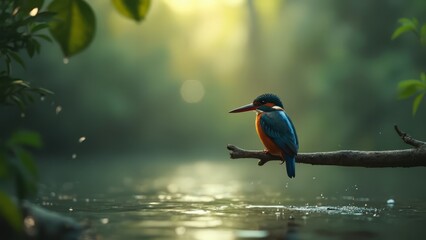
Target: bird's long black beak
[{"x": 244, "y": 108}]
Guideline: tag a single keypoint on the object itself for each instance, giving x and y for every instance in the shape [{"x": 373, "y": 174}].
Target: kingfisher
[{"x": 275, "y": 129}]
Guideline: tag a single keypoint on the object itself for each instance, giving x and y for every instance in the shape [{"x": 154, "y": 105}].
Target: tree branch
[
  {"x": 408, "y": 139},
  {"x": 414, "y": 157}
]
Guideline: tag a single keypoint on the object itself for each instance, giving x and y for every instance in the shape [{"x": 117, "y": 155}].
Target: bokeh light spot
[
  {"x": 33, "y": 12},
  {"x": 192, "y": 91}
]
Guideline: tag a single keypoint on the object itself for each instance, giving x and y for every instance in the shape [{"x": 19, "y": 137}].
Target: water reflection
[{"x": 203, "y": 200}]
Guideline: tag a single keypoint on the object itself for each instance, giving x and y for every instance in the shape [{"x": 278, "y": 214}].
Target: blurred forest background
[
  {"x": 165, "y": 85},
  {"x": 145, "y": 106}
]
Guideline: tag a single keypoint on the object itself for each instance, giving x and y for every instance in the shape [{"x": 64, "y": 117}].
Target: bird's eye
[{"x": 263, "y": 102}]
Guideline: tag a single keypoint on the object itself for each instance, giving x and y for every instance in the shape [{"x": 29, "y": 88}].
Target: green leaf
[
  {"x": 407, "y": 25},
  {"x": 27, "y": 161},
  {"x": 133, "y": 9},
  {"x": 25, "y": 138},
  {"x": 43, "y": 17},
  {"x": 39, "y": 27},
  {"x": 20, "y": 83},
  {"x": 30, "y": 48},
  {"x": 43, "y": 91},
  {"x": 26, "y": 185},
  {"x": 18, "y": 102},
  {"x": 17, "y": 58},
  {"x": 423, "y": 77},
  {"x": 44, "y": 37},
  {"x": 417, "y": 102},
  {"x": 423, "y": 35},
  {"x": 407, "y": 88},
  {"x": 10, "y": 212},
  {"x": 73, "y": 26}
]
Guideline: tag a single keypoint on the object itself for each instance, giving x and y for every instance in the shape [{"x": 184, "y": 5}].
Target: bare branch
[
  {"x": 408, "y": 139},
  {"x": 414, "y": 157}
]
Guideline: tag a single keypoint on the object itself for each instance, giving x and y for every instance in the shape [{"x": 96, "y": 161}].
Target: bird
[{"x": 275, "y": 129}]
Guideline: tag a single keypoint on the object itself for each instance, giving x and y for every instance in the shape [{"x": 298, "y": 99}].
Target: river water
[{"x": 152, "y": 198}]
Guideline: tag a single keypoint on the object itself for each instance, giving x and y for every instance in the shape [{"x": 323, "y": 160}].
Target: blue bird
[{"x": 275, "y": 129}]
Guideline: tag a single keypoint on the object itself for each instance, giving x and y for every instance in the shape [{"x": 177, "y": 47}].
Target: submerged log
[{"x": 43, "y": 224}]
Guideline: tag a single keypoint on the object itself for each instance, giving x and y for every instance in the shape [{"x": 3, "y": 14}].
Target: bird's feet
[{"x": 266, "y": 151}]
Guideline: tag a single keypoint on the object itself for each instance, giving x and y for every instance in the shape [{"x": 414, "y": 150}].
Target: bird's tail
[{"x": 290, "y": 164}]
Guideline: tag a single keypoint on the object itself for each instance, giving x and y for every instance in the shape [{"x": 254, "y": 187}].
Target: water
[{"x": 202, "y": 199}]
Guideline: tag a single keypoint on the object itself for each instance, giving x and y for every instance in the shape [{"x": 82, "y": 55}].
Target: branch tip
[{"x": 408, "y": 139}]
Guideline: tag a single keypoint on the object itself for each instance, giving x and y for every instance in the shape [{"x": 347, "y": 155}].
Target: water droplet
[
  {"x": 70, "y": 209},
  {"x": 104, "y": 220},
  {"x": 82, "y": 139},
  {"x": 74, "y": 156},
  {"x": 314, "y": 178},
  {"x": 66, "y": 60},
  {"x": 390, "y": 202},
  {"x": 22, "y": 115},
  {"x": 42, "y": 98},
  {"x": 58, "y": 109},
  {"x": 380, "y": 133}
]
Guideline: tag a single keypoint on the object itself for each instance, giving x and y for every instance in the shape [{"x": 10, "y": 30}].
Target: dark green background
[{"x": 332, "y": 63}]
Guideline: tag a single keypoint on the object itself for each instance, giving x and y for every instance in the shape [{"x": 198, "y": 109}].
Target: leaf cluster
[
  {"x": 411, "y": 25},
  {"x": 74, "y": 24},
  {"x": 411, "y": 87},
  {"x": 21, "y": 25}
]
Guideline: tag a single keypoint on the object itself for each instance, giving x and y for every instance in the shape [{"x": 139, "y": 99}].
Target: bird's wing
[{"x": 278, "y": 126}]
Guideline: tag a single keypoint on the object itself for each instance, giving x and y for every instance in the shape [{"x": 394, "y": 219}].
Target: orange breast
[{"x": 271, "y": 147}]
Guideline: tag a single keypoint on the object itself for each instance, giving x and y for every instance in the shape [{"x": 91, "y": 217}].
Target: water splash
[
  {"x": 66, "y": 60},
  {"x": 390, "y": 202},
  {"x": 74, "y": 156},
  {"x": 82, "y": 139}
]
